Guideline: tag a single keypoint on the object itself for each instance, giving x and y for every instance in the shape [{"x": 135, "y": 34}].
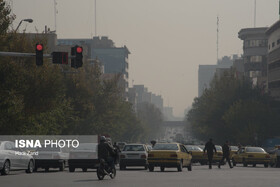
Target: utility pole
[
  {"x": 95, "y": 19},
  {"x": 55, "y": 12},
  {"x": 217, "y": 39},
  {"x": 255, "y": 13}
]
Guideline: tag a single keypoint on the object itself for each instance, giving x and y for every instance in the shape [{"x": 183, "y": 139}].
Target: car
[
  {"x": 84, "y": 156},
  {"x": 134, "y": 155},
  {"x": 121, "y": 145},
  {"x": 275, "y": 156},
  {"x": 12, "y": 158},
  {"x": 197, "y": 154},
  {"x": 233, "y": 150},
  {"x": 251, "y": 155},
  {"x": 51, "y": 157},
  {"x": 217, "y": 157},
  {"x": 168, "y": 155}
]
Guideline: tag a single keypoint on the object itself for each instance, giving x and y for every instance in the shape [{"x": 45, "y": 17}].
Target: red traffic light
[
  {"x": 79, "y": 50},
  {"x": 39, "y": 47}
]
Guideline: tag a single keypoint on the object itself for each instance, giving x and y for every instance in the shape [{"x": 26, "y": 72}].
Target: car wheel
[
  {"x": 254, "y": 165},
  {"x": 30, "y": 167},
  {"x": 47, "y": 169},
  {"x": 122, "y": 167},
  {"x": 151, "y": 168},
  {"x": 71, "y": 169},
  {"x": 244, "y": 163},
  {"x": 266, "y": 165},
  {"x": 84, "y": 169},
  {"x": 6, "y": 168},
  {"x": 180, "y": 166},
  {"x": 146, "y": 167},
  {"x": 233, "y": 162},
  {"x": 190, "y": 167},
  {"x": 161, "y": 168},
  {"x": 62, "y": 166}
]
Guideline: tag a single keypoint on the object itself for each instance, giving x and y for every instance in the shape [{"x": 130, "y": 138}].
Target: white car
[
  {"x": 134, "y": 155},
  {"x": 51, "y": 157},
  {"x": 84, "y": 156},
  {"x": 12, "y": 158}
]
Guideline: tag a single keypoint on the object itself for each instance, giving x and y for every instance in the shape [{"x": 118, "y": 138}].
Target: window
[
  {"x": 273, "y": 44},
  {"x": 278, "y": 41},
  {"x": 256, "y": 59}
]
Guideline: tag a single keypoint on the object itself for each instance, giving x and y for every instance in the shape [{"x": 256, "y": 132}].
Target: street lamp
[{"x": 27, "y": 20}]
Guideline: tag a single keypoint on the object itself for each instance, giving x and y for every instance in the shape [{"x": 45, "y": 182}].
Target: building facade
[
  {"x": 273, "y": 60},
  {"x": 254, "y": 54}
]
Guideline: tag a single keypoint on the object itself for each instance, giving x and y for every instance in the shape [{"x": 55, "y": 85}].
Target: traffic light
[
  {"x": 39, "y": 54},
  {"x": 60, "y": 57},
  {"x": 77, "y": 59}
]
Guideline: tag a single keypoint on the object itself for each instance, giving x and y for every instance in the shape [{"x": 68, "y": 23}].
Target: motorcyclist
[{"x": 106, "y": 152}]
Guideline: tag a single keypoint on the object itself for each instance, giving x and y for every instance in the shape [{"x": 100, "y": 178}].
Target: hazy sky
[{"x": 167, "y": 39}]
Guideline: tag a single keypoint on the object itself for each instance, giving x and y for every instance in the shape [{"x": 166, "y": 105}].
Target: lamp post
[{"x": 27, "y": 20}]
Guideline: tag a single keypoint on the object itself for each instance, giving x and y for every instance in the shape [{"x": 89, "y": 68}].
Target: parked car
[
  {"x": 134, "y": 155},
  {"x": 251, "y": 155},
  {"x": 197, "y": 154},
  {"x": 167, "y": 155},
  {"x": 12, "y": 158},
  {"x": 85, "y": 157},
  {"x": 51, "y": 157}
]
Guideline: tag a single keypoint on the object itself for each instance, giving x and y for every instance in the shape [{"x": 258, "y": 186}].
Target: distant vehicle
[
  {"x": 134, "y": 155},
  {"x": 84, "y": 156},
  {"x": 12, "y": 158},
  {"x": 51, "y": 157},
  {"x": 169, "y": 155},
  {"x": 197, "y": 154},
  {"x": 251, "y": 155}
]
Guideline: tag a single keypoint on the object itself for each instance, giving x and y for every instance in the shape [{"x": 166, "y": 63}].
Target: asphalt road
[{"x": 200, "y": 176}]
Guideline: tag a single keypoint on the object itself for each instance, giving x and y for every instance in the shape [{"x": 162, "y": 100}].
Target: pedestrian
[
  {"x": 118, "y": 151},
  {"x": 153, "y": 142},
  {"x": 210, "y": 147},
  {"x": 226, "y": 153}
]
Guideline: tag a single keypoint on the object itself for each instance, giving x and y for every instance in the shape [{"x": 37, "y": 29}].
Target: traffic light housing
[
  {"x": 39, "y": 54},
  {"x": 60, "y": 57},
  {"x": 77, "y": 56}
]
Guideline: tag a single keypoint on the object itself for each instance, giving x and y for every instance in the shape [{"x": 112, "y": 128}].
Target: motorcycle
[{"x": 105, "y": 170}]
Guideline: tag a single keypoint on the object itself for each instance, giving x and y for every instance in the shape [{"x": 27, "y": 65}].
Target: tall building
[
  {"x": 113, "y": 59},
  {"x": 273, "y": 60},
  {"x": 206, "y": 72},
  {"x": 254, "y": 54}
]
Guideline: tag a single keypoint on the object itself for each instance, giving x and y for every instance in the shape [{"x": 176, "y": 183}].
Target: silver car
[
  {"x": 134, "y": 155},
  {"x": 12, "y": 158}
]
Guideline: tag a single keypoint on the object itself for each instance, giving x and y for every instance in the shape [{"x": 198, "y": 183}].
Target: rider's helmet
[{"x": 102, "y": 139}]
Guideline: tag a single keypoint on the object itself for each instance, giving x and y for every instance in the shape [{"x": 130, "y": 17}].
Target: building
[
  {"x": 114, "y": 60},
  {"x": 254, "y": 54},
  {"x": 273, "y": 60},
  {"x": 206, "y": 73}
]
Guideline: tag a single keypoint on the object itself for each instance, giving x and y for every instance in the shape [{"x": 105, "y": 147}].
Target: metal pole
[
  {"x": 18, "y": 25},
  {"x": 17, "y": 54},
  {"x": 95, "y": 19},
  {"x": 255, "y": 13}
]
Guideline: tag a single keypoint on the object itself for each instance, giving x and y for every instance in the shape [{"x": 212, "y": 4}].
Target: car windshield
[
  {"x": 87, "y": 146},
  {"x": 201, "y": 146},
  {"x": 234, "y": 148},
  {"x": 133, "y": 148},
  {"x": 218, "y": 148},
  {"x": 49, "y": 149},
  {"x": 166, "y": 147},
  {"x": 255, "y": 150},
  {"x": 193, "y": 148}
]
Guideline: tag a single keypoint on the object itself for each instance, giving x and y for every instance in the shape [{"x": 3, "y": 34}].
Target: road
[{"x": 200, "y": 176}]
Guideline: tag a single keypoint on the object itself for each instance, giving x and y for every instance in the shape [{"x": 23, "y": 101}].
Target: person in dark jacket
[
  {"x": 106, "y": 152},
  {"x": 118, "y": 151},
  {"x": 210, "y": 147},
  {"x": 226, "y": 153}
]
